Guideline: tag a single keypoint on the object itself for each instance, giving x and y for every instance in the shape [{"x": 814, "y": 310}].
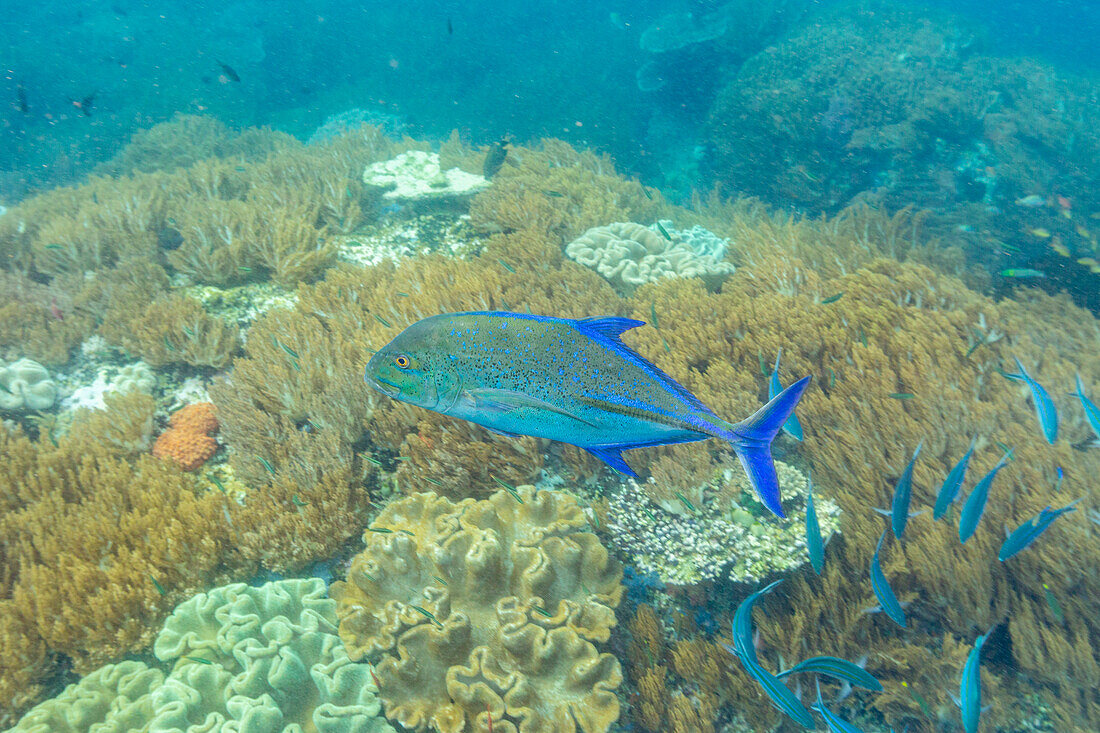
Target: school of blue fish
[{"x": 576, "y": 382}]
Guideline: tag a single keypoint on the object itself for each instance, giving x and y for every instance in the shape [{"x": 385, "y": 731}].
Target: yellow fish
[
  {"x": 1039, "y": 232},
  {"x": 1057, "y": 246},
  {"x": 1082, "y": 232},
  {"x": 1088, "y": 261}
]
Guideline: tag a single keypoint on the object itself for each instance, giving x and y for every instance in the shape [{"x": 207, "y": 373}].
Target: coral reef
[
  {"x": 630, "y": 255},
  {"x": 246, "y": 659},
  {"x": 188, "y": 441},
  {"x": 485, "y": 609},
  {"x": 25, "y": 385},
  {"x": 175, "y": 329}
]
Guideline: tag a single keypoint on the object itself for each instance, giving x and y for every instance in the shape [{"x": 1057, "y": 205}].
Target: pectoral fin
[{"x": 504, "y": 401}]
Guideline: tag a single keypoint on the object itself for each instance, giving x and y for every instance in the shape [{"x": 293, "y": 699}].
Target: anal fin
[{"x": 612, "y": 455}]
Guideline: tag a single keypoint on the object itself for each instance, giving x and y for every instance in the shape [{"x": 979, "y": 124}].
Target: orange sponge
[{"x": 187, "y": 440}]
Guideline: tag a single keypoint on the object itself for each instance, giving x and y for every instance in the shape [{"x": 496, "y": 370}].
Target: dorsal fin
[{"x": 611, "y": 327}]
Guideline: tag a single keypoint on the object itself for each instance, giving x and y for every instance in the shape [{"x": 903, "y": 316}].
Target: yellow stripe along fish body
[{"x": 568, "y": 380}]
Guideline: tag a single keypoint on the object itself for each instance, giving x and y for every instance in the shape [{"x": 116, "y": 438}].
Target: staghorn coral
[
  {"x": 483, "y": 608},
  {"x": 630, "y": 255},
  {"x": 188, "y": 441}
]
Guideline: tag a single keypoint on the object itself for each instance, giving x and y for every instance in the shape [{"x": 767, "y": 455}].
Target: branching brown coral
[
  {"x": 484, "y": 608},
  {"x": 176, "y": 330},
  {"x": 558, "y": 191}
]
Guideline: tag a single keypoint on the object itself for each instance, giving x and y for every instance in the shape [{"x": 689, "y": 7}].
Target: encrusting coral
[
  {"x": 486, "y": 609},
  {"x": 188, "y": 441},
  {"x": 244, "y": 659}
]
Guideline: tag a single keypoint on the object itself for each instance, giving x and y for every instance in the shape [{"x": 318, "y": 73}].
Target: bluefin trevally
[
  {"x": 903, "y": 492},
  {"x": 952, "y": 483},
  {"x": 815, "y": 547},
  {"x": 1030, "y": 530},
  {"x": 1092, "y": 412},
  {"x": 975, "y": 503},
  {"x": 836, "y": 668},
  {"x": 568, "y": 380},
  {"x": 1044, "y": 405},
  {"x": 882, "y": 589},
  {"x": 970, "y": 688},
  {"x": 834, "y": 722},
  {"x": 792, "y": 426}
]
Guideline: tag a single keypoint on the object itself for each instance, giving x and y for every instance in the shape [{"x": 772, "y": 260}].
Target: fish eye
[{"x": 402, "y": 361}]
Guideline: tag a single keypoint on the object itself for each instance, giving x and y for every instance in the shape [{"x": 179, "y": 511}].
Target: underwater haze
[{"x": 662, "y": 367}]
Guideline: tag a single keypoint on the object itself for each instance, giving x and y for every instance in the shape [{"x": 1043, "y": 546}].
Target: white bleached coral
[
  {"x": 728, "y": 533},
  {"x": 134, "y": 377},
  {"x": 25, "y": 385},
  {"x": 630, "y": 255},
  {"x": 415, "y": 175}
]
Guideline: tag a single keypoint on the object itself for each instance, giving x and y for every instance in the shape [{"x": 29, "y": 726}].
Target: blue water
[{"x": 979, "y": 120}]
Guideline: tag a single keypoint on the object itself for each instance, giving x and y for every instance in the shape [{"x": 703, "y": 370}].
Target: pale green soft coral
[
  {"x": 246, "y": 660},
  {"x": 115, "y": 698},
  {"x": 260, "y": 660}
]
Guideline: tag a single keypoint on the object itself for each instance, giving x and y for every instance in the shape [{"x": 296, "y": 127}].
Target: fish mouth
[{"x": 382, "y": 385}]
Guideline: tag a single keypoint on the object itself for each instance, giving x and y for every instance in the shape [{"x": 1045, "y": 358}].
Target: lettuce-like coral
[
  {"x": 262, "y": 659},
  {"x": 486, "y": 608},
  {"x": 244, "y": 660}
]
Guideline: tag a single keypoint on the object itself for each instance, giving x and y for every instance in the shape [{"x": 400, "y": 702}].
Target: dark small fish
[
  {"x": 975, "y": 503},
  {"x": 21, "y": 99},
  {"x": 952, "y": 484},
  {"x": 169, "y": 238},
  {"x": 663, "y": 231},
  {"x": 450, "y": 28},
  {"x": 298, "y": 502},
  {"x": 85, "y": 104},
  {"x": 1030, "y": 530},
  {"x": 267, "y": 465},
  {"x": 158, "y": 586},
  {"x": 1053, "y": 604},
  {"x": 381, "y": 530},
  {"x": 970, "y": 688},
  {"x": 228, "y": 70},
  {"x": 832, "y": 298},
  {"x": 494, "y": 159},
  {"x": 902, "y": 395},
  {"x": 200, "y": 660},
  {"x": 882, "y": 589}
]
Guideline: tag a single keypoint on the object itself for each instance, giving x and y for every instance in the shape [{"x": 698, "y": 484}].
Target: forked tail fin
[{"x": 752, "y": 441}]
